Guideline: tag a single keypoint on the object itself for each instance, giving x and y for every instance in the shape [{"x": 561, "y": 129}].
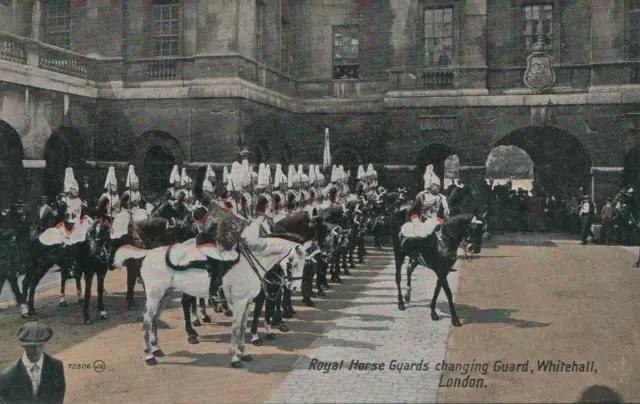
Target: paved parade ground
[{"x": 526, "y": 299}]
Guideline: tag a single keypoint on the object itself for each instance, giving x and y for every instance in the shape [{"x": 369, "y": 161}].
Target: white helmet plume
[
  {"x": 174, "y": 177},
  {"x": 111, "y": 177},
  {"x": 132, "y": 178},
  {"x": 70, "y": 180}
]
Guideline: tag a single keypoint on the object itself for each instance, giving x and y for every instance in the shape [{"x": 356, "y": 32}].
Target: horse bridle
[{"x": 467, "y": 240}]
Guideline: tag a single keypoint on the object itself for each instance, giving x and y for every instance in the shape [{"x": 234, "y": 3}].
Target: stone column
[
  {"x": 472, "y": 33},
  {"x": 216, "y": 26},
  {"x": 607, "y": 25}
]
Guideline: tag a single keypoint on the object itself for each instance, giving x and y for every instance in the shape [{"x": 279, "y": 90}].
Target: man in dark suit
[{"x": 36, "y": 377}]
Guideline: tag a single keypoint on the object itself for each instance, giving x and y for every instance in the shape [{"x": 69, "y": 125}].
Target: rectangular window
[
  {"x": 346, "y": 52},
  {"x": 633, "y": 29},
  {"x": 166, "y": 28},
  {"x": 438, "y": 36},
  {"x": 57, "y": 20},
  {"x": 538, "y": 20}
]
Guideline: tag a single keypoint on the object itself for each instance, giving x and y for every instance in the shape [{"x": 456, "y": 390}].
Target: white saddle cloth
[
  {"x": 183, "y": 254},
  {"x": 60, "y": 235},
  {"x": 418, "y": 229},
  {"x": 120, "y": 226},
  {"x": 139, "y": 214}
]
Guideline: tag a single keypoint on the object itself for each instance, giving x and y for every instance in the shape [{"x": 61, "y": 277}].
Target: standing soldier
[
  {"x": 111, "y": 194},
  {"x": 174, "y": 180}
]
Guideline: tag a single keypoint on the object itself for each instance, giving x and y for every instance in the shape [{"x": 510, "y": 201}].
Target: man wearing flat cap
[
  {"x": 36, "y": 377},
  {"x": 607, "y": 215}
]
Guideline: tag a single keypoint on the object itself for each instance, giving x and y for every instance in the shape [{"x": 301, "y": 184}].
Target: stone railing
[
  {"x": 423, "y": 78},
  {"x": 30, "y": 52}
]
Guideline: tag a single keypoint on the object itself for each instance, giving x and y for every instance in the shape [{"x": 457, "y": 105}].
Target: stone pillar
[
  {"x": 271, "y": 34},
  {"x": 607, "y": 25},
  {"x": 36, "y": 15},
  {"x": 136, "y": 29},
  {"x": 404, "y": 31},
  {"x": 473, "y": 33},
  {"x": 217, "y": 26}
]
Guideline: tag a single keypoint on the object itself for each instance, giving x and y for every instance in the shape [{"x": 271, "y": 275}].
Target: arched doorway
[
  {"x": 158, "y": 163},
  {"x": 435, "y": 154},
  {"x": 631, "y": 174},
  {"x": 12, "y": 184},
  {"x": 561, "y": 164},
  {"x": 63, "y": 149},
  {"x": 510, "y": 163}
]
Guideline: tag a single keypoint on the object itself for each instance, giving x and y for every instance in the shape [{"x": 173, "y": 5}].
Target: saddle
[
  {"x": 61, "y": 235},
  {"x": 181, "y": 257},
  {"x": 414, "y": 243}
]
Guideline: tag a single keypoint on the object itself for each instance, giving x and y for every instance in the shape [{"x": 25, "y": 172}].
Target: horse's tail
[{"x": 128, "y": 252}]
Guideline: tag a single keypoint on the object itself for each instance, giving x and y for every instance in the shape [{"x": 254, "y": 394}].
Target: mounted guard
[
  {"x": 111, "y": 196},
  {"x": 174, "y": 180},
  {"x": 280, "y": 187},
  {"x": 293, "y": 196}
]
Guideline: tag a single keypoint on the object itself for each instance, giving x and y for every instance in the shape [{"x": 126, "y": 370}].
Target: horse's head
[
  {"x": 473, "y": 233},
  {"x": 295, "y": 267},
  {"x": 333, "y": 239},
  {"x": 402, "y": 195},
  {"x": 98, "y": 241}
]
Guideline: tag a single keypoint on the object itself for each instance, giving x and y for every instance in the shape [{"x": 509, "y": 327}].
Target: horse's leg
[
  {"x": 257, "y": 310},
  {"x": 436, "y": 292},
  {"x": 101, "y": 278},
  {"x": 192, "y": 335},
  {"x": 243, "y": 330},
  {"x": 447, "y": 290},
  {"x": 240, "y": 307},
  {"x": 399, "y": 261},
  {"x": 344, "y": 254},
  {"x": 411, "y": 266},
  {"x": 151, "y": 309},
  {"x": 79, "y": 286},
  {"x": 287, "y": 304},
  {"x": 155, "y": 348},
  {"x": 276, "y": 304},
  {"x": 194, "y": 311},
  {"x": 361, "y": 250},
  {"x": 24, "y": 311},
  {"x": 637, "y": 264},
  {"x": 269, "y": 316},
  {"x": 307, "y": 285},
  {"x": 133, "y": 272},
  {"x": 63, "y": 283},
  {"x": 203, "y": 310},
  {"x": 335, "y": 268},
  {"x": 352, "y": 247},
  {"x": 88, "y": 280},
  {"x": 321, "y": 277}
]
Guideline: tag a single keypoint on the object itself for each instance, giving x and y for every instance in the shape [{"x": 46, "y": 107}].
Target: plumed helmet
[
  {"x": 312, "y": 174},
  {"x": 185, "y": 180},
  {"x": 371, "y": 173},
  {"x": 225, "y": 175},
  {"x": 235, "y": 179},
  {"x": 207, "y": 186},
  {"x": 174, "y": 177},
  {"x": 70, "y": 180},
  {"x": 430, "y": 178},
  {"x": 132, "y": 178},
  {"x": 361, "y": 173},
  {"x": 277, "y": 180},
  {"x": 335, "y": 174},
  {"x": 210, "y": 174},
  {"x": 291, "y": 176},
  {"x": 245, "y": 174},
  {"x": 111, "y": 178}
]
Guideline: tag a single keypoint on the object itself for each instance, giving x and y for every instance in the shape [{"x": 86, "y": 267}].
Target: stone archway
[
  {"x": 349, "y": 158},
  {"x": 12, "y": 183},
  {"x": 435, "y": 154},
  {"x": 156, "y": 152},
  {"x": 561, "y": 163},
  {"x": 63, "y": 149}
]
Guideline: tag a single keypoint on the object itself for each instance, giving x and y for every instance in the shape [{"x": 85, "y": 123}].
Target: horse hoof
[
  {"x": 455, "y": 322},
  {"x": 88, "y": 321},
  {"x": 63, "y": 304},
  {"x": 81, "y": 300},
  {"x": 193, "y": 340},
  {"x": 257, "y": 342},
  {"x": 193, "y": 333},
  {"x": 104, "y": 316},
  {"x": 151, "y": 361},
  {"x": 401, "y": 306},
  {"x": 158, "y": 353},
  {"x": 636, "y": 265},
  {"x": 321, "y": 293},
  {"x": 197, "y": 323},
  {"x": 353, "y": 265},
  {"x": 283, "y": 328},
  {"x": 287, "y": 315},
  {"x": 216, "y": 309},
  {"x": 271, "y": 336},
  {"x": 326, "y": 285},
  {"x": 228, "y": 313},
  {"x": 313, "y": 294},
  {"x": 246, "y": 358},
  {"x": 435, "y": 317},
  {"x": 309, "y": 303},
  {"x": 407, "y": 298},
  {"x": 206, "y": 319},
  {"x": 347, "y": 272},
  {"x": 236, "y": 365},
  {"x": 25, "y": 316}
]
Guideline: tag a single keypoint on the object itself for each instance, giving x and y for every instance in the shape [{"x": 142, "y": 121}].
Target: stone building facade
[{"x": 399, "y": 83}]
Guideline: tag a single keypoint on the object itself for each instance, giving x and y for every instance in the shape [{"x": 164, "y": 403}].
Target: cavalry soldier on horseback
[
  {"x": 304, "y": 187},
  {"x": 111, "y": 194},
  {"x": 312, "y": 199},
  {"x": 280, "y": 186},
  {"x": 185, "y": 187},
  {"x": 46, "y": 217},
  {"x": 73, "y": 213},
  {"x": 208, "y": 193},
  {"x": 292, "y": 195},
  {"x": 430, "y": 200}
]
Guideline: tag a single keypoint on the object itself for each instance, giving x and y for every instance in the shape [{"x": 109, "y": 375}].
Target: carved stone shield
[{"x": 539, "y": 75}]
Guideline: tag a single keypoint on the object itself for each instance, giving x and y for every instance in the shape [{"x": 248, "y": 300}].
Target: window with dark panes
[
  {"x": 538, "y": 20},
  {"x": 438, "y": 36},
  {"x": 57, "y": 22},
  {"x": 166, "y": 28},
  {"x": 346, "y": 52},
  {"x": 633, "y": 29}
]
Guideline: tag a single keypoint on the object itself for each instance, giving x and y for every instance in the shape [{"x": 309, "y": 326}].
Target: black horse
[
  {"x": 380, "y": 209},
  {"x": 438, "y": 252}
]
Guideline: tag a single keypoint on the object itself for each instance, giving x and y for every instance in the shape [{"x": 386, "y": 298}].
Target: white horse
[{"x": 241, "y": 284}]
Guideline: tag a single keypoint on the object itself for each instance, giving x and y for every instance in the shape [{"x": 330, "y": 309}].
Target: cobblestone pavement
[{"x": 374, "y": 330}]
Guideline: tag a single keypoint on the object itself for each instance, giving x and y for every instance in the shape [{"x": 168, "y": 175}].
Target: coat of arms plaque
[{"x": 539, "y": 74}]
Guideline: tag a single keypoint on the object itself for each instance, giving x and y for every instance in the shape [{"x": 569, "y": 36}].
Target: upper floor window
[
  {"x": 57, "y": 23},
  {"x": 166, "y": 28},
  {"x": 438, "y": 36},
  {"x": 632, "y": 29},
  {"x": 346, "y": 52},
  {"x": 538, "y": 21}
]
